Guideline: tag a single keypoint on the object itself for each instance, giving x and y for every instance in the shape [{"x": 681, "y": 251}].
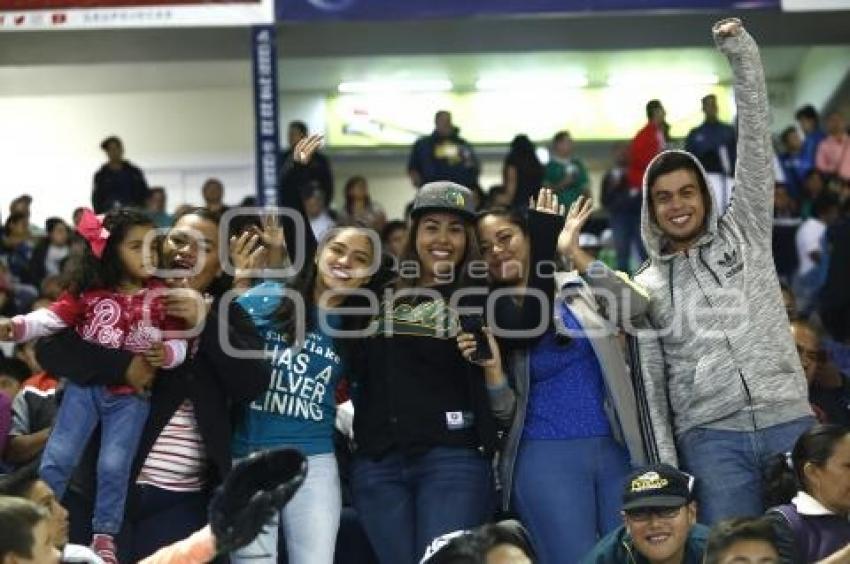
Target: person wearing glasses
[
  {"x": 660, "y": 522},
  {"x": 829, "y": 389}
]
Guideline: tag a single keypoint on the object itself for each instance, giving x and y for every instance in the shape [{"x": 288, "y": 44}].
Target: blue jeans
[
  {"x": 122, "y": 418},
  {"x": 310, "y": 520},
  {"x": 405, "y": 501},
  {"x": 625, "y": 226},
  {"x": 729, "y": 466},
  {"x": 806, "y": 289},
  {"x": 569, "y": 493}
]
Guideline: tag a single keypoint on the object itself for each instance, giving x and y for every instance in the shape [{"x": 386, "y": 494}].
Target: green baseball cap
[{"x": 444, "y": 196}]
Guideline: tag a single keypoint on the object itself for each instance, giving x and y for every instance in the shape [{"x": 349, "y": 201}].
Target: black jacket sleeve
[
  {"x": 67, "y": 355},
  {"x": 242, "y": 378},
  {"x": 528, "y": 313},
  {"x": 292, "y": 177},
  {"x": 785, "y": 543},
  {"x": 325, "y": 176}
]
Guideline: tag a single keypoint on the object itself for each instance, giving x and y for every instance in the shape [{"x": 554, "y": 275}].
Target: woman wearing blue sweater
[{"x": 569, "y": 405}]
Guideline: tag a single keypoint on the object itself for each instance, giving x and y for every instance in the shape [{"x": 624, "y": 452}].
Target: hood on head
[{"x": 653, "y": 239}]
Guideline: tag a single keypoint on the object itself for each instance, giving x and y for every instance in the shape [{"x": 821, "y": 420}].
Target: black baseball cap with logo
[
  {"x": 657, "y": 486},
  {"x": 444, "y": 196}
]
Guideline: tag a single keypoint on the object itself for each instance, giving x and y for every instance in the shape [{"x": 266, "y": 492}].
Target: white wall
[
  {"x": 51, "y": 143},
  {"x": 821, "y": 71}
]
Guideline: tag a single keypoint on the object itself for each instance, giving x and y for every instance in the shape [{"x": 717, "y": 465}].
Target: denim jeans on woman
[
  {"x": 568, "y": 493},
  {"x": 122, "y": 418},
  {"x": 310, "y": 520},
  {"x": 405, "y": 501},
  {"x": 729, "y": 466}
]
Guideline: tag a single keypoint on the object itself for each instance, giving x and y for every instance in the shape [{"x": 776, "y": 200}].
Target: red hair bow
[{"x": 92, "y": 230}]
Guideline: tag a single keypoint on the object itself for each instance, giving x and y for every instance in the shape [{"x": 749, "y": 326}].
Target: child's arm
[
  {"x": 38, "y": 323},
  {"x": 167, "y": 354},
  {"x": 61, "y": 314}
]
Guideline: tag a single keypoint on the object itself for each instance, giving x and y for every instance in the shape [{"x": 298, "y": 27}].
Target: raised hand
[
  {"x": 728, "y": 28},
  {"x": 246, "y": 253},
  {"x": 577, "y": 217},
  {"x": 304, "y": 149},
  {"x": 547, "y": 202},
  {"x": 274, "y": 242},
  {"x": 272, "y": 233}
]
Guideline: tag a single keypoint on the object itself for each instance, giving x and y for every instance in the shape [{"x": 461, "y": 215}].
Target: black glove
[{"x": 254, "y": 492}]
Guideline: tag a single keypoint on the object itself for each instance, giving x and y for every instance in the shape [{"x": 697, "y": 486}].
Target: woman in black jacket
[
  {"x": 423, "y": 428},
  {"x": 185, "y": 448}
]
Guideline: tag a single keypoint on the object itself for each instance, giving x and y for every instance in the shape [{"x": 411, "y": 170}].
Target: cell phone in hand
[{"x": 474, "y": 324}]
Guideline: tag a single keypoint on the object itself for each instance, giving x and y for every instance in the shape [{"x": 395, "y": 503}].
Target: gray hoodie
[{"x": 722, "y": 355}]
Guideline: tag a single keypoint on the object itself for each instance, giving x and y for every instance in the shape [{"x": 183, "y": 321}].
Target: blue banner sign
[
  {"x": 415, "y": 9},
  {"x": 264, "y": 63}
]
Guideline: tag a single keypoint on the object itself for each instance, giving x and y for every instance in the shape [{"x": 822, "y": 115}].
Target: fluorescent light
[
  {"x": 380, "y": 86},
  {"x": 666, "y": 79},
  {"x": 526, "y": 82}
]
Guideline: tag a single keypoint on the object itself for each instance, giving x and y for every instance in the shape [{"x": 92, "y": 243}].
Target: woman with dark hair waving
[
  {"x": 809, "y": 493},
  {"x": 298, "y": 321},
  {"x": 569, "y": 408}
]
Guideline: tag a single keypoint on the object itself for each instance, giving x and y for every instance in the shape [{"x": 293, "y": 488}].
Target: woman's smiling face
[
  {"x": 505, "y": 247},
  {"x": 192, "y": 244},
  {"x": 440, "y": 244}
]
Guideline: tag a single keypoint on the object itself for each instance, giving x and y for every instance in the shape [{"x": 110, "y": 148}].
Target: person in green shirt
[{"x": 565, "y": 174}]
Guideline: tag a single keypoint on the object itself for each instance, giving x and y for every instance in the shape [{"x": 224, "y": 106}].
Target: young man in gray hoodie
[{"x": 725, "y": 388}]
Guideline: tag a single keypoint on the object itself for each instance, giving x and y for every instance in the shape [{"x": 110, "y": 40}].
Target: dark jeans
[
  {"x": 156, "y": 518},
  {"x": 626, "y": 228},
  {"x": 405, "y": 501},
  {"x": 352, "y": 544},
  {"x": 160, "y": 517}
]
